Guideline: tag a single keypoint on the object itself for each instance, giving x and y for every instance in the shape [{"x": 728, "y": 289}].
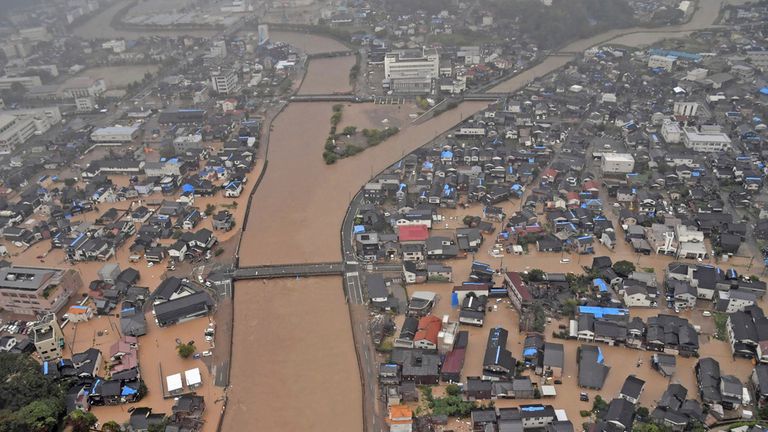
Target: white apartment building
[
  {"x": 687, "y": 109},
  {"x": 708, "y": 139},
  {"x": 224, "y": 81},
  {"x": 671, "y": 132},
  {"x": 16, "y": 127},
  {"x": 617, "y": 163}
]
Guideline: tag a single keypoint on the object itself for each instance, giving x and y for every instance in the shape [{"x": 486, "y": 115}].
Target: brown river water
[{"x": 293, "y": 350}]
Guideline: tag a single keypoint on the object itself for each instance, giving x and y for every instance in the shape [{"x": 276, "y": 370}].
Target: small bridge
[
  {"x": 484, "y": 96},
  {"x": 330, "y": 54},
  {"x": 330, "y": 98},
  {"x": 289, "y": 270}
]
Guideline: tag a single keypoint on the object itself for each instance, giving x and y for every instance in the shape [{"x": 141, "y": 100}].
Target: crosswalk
[{"x": 354, "y": 288}]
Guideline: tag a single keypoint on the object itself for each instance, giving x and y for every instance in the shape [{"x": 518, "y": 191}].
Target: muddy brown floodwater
[
  {"x": 293, "y": 360},
  {"x": 319, "y": 81}
]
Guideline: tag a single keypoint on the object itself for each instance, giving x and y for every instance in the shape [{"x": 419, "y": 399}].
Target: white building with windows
[
  {"x": 412, "y": 71},
  {"x": 707, "y": 139},
  {"x": 671, "y": 132},
  {"x": 224, "y": 81},
  {"x": 687, "y": 109},
  {"x": 17, "y": 126},
  {"x": 617, "y": 163}
]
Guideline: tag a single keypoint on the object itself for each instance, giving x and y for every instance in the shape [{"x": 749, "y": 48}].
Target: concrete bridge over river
[{"x": 289, "y": 271}]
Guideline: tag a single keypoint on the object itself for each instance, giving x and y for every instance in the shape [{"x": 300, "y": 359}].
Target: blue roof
[
  {"x": 600, "y": 312},
  {"x": 600, "y": 284},
  {"x": 530, "y": 351}
]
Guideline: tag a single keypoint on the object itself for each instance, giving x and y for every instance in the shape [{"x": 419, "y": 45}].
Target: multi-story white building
[
  {"x": 671, "y": 132},
  {"x": 707, "y": 139},
  {"x": 219, "y": 49},
  {"x": 411, "y": 71},
  {"x": 687, "y": 109},
  {"x": 48, "y": 337},
  {"x": 17, "y": 126},
  {"x": 26, "y": 81},
  {"x": 84, "y": 87},
  {"x": 224, "y": 81},
  {"x": 617, "y": 163}
]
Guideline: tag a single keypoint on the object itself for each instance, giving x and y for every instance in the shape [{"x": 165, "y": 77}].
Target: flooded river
[{"x": 292, "y": 337}]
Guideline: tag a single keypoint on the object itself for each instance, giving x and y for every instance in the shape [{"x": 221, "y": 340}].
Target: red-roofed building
[
  {"x": 549, "y": 175},
  {"x": 413, "y": 234},
  {"x": 452, "y": 365},
  {"x": 426, "y": 336},
  {"x": 517, "y": 290}
]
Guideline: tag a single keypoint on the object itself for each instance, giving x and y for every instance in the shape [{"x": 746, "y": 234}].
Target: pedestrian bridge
[{"x": 289, "y": 270}]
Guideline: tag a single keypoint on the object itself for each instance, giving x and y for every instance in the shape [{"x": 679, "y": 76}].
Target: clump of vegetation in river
[{"x": 351, "y": 142}]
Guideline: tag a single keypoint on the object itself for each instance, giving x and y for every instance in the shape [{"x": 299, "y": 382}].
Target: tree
[
  {"x": 209, "y": 209},
  {"x": 69, "y": 182},
  {"x": 350, "y": 130},
  {"x": 111, "y": 426},
  {"x": 452, "y": 390},
  {"x": 642, "y": 412},
  {"x": 185, "y": 350},
  {"x": 599, "y": 404},
  {"x": 623, "y": 268},
  {"x": 569, "y": 307},
  {"x": 536, "y": 275},
  {"x": 81, "y": 421}
]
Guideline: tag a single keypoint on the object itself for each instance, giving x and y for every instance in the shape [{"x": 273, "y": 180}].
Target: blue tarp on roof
[
  {"x": 600, "y": 312},
  {"x": 532, "y": 408},
  {"x": 530, "y": 351},
  {"x": 127, "y": 391},
  {"x": 187, "y": 188},
  {"x": 357, "y": 229},
  {"x": 454, "y": 299},
  {"x": 600, "y": 285},
  {"x": 764, "y": 90},
  {"x": 600, "y": 357}
]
